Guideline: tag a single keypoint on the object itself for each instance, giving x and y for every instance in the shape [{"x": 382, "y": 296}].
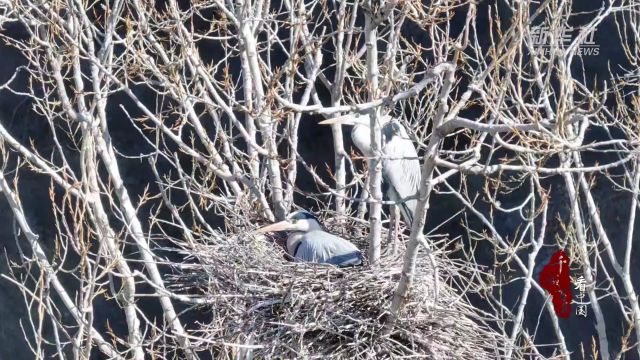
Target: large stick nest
[{"x": 263, "y": 305}]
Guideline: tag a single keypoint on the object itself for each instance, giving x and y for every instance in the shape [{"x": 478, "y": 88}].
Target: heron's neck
[
  {"x": 293, "y": 240},
  {"x": 361, "y": 137}
]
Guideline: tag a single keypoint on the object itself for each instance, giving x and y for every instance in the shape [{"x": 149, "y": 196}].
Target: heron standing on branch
[
  {"x": 401, "y": 170},
  {"x": 309, "y": 242}
]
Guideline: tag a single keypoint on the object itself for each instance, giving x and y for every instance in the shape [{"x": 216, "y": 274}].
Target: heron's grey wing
[
  {"x": 407, "y": 208},
  {"x": 401, "y": 170},
  {"x": 323, "y": 247}
]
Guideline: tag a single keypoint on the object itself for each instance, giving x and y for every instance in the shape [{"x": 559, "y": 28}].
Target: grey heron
[
  {"x": 308, "y": 242},
  {"x": 401, "y": 170}
]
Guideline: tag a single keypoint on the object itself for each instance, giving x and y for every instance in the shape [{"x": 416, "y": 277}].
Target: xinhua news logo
[{"x": 542, "y": 37}]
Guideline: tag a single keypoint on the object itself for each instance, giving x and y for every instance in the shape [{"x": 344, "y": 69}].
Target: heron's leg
[
  {"x": 394, "y": 228},
  {"x": 362, "y": 207}
]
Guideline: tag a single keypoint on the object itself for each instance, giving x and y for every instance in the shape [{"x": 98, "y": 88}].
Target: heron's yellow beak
[
  {"x": 348, "y": 119},
  {"x": 353, "y": 119},
  {"x": 279, "y": 226}
]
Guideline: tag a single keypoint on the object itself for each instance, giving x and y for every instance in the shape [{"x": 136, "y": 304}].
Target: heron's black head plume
[
  {"x": 391, "y": 129},
  {"x": 305, "y": 216},
  {"x": 302, "y": 215}
]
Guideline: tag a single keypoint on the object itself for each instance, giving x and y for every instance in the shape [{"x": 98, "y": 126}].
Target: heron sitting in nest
[{"x": 307, "y": 241}]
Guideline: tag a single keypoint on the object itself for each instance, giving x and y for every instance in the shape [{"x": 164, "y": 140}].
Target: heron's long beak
[
  {"x": 349, "y": 119},
  {"x": 279, "y": 226},
  {"x": 352, "y": 119}
]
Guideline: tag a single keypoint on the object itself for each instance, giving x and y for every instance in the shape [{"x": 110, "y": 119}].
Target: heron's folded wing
[
  {"x": 401, "y": 170},
  {"x": 323, "y": 247}
]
